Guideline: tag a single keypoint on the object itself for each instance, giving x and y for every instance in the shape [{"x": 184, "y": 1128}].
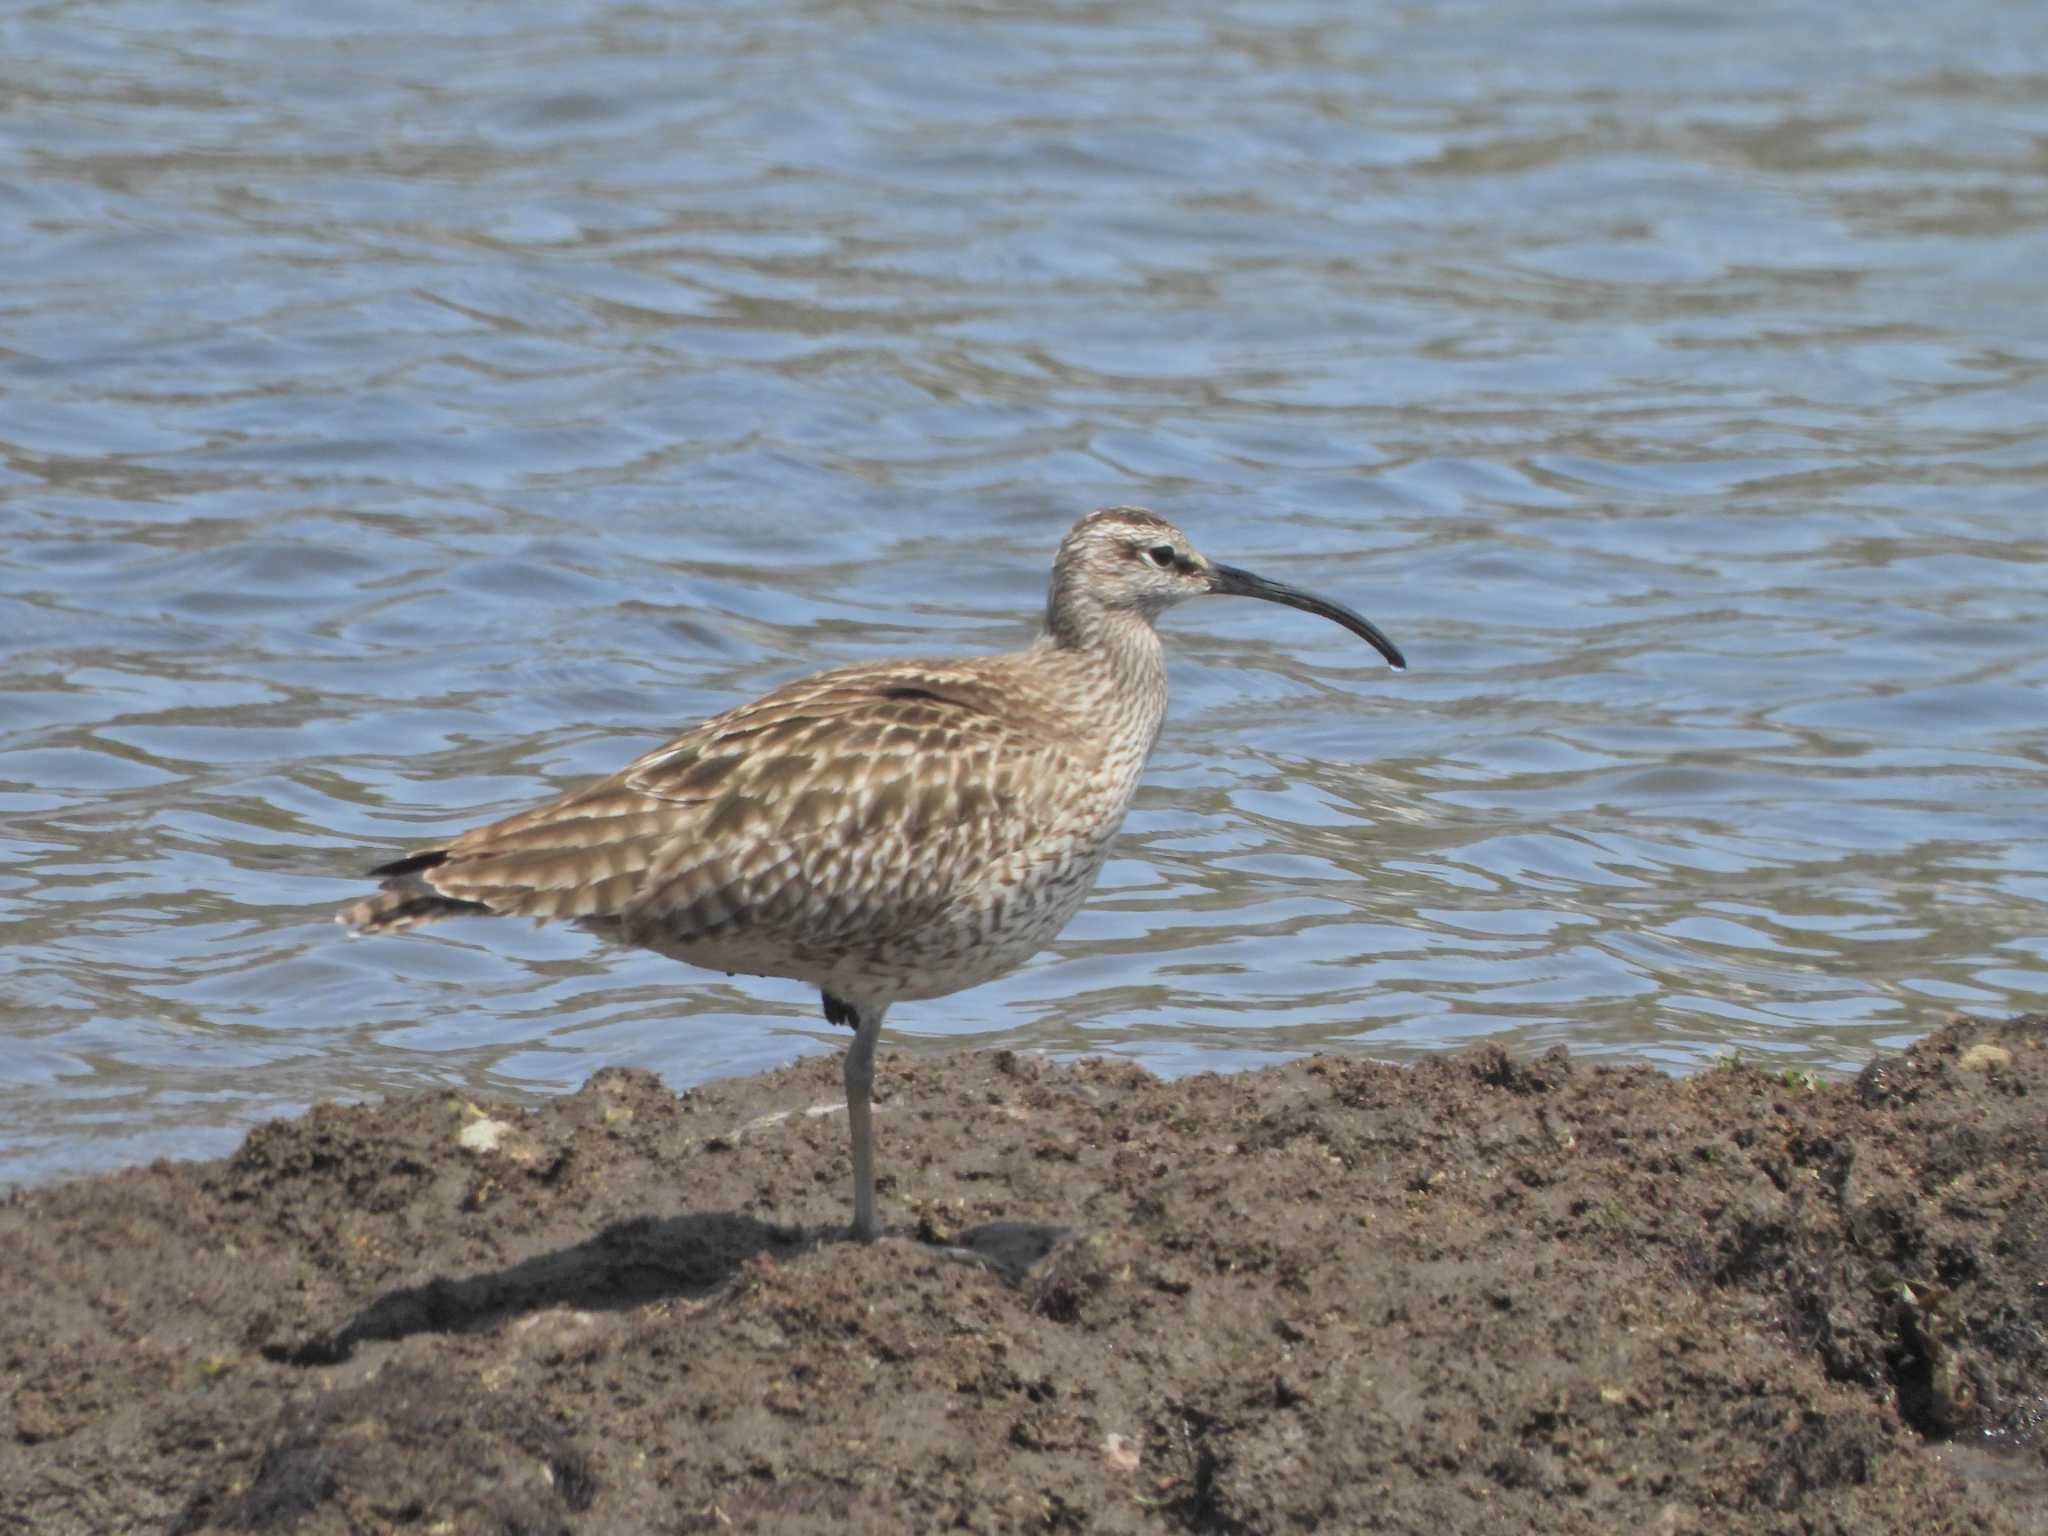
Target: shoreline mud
[{"x": 1477, "y": 1294}]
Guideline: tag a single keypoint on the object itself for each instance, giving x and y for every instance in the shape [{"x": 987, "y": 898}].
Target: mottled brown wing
[
  {"x": 825, "y": 804},
  {"x": 854, "y": 815}
]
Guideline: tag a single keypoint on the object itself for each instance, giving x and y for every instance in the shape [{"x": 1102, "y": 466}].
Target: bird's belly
[
  {"x": 922, "y": 947},
  {"x": 967, "y": 948}
]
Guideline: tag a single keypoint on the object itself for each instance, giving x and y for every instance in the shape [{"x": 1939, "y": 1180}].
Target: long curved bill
[{"x": 1231, "y": 581}]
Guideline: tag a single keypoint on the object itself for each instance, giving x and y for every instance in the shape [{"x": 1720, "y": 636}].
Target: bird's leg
[{"x": 866, "y": 1023}]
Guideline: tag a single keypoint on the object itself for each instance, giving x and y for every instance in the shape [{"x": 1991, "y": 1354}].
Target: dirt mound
[{"x": 1475, "y": 1295}]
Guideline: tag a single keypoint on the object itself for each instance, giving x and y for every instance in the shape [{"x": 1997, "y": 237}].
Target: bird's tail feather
[{"x": 403, "y": 905}]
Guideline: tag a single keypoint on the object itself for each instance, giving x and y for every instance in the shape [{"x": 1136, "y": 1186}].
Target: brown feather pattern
[{"x": 860, "y": 827}]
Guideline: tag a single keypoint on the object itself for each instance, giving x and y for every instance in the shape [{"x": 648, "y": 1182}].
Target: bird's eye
[{"x": 1161, "y": 555}]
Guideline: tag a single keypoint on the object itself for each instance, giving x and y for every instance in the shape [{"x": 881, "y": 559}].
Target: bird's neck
[
  {"x": 1118, "y": 651},
  {"x": 1122, "y": 637}
]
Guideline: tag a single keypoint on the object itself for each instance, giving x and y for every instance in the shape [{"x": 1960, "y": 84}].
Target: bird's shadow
[{"x": 629, "y": 1264}]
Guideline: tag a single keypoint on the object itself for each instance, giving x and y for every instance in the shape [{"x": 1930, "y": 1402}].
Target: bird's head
[{"x": 1131, "y": 560}]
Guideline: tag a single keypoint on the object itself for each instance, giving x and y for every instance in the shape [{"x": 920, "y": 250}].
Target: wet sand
[{"x": 1475, "y": 1295}]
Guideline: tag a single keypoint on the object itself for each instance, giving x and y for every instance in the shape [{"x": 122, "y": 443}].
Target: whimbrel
[{"x": 897, "y": 830}]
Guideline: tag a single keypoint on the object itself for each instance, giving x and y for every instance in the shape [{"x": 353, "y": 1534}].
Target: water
[{"x": 407, "y": 413}]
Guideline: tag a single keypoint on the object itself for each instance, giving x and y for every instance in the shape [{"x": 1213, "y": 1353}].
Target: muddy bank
[{"x": 1475, "y": 1295}]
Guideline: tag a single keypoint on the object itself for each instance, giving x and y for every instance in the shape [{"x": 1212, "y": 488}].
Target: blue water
[{"x": 408, "y": 412}]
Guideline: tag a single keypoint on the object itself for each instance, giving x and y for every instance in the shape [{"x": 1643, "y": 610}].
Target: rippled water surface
[{"x": 408, "y": 412}]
